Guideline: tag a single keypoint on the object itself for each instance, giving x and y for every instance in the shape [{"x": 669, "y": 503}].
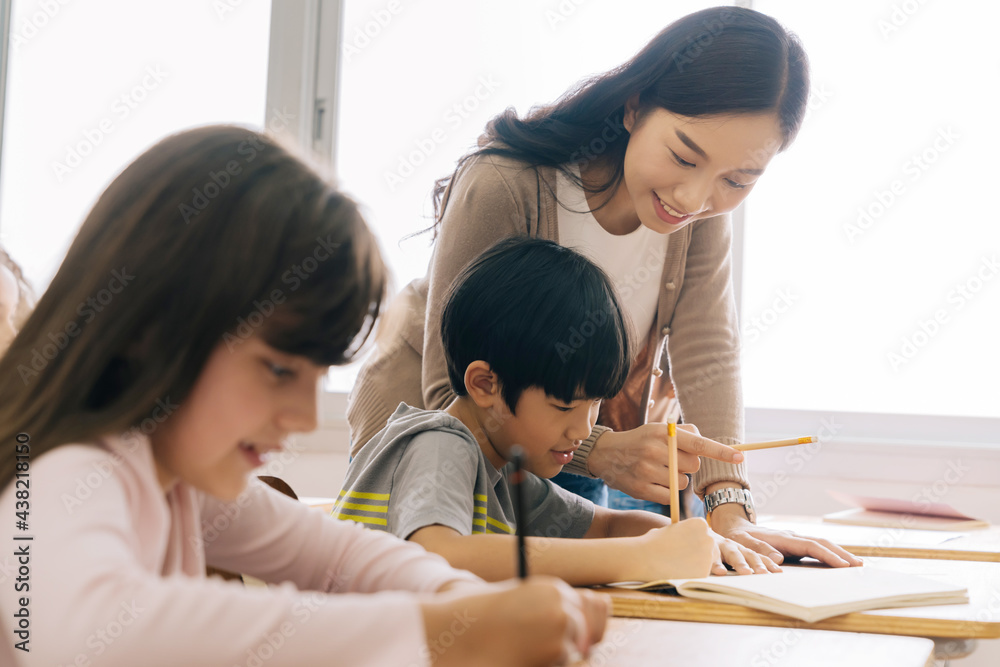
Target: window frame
[{"x": 5, "y": 14}]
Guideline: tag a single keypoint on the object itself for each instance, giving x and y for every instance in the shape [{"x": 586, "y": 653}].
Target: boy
[{"x": 535, "y": 339}]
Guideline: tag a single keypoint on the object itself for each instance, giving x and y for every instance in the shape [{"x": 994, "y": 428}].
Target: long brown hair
[
  {"x": 721, "y": 60},
  {"x": 210, "y": 236}
]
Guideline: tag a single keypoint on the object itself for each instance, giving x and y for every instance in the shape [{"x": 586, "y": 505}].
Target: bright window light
[
  {"x": 871, "y": 280},
  {"x": 91, "y": 85}
]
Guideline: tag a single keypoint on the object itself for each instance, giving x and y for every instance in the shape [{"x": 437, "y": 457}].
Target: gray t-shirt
[{"x": 426, "y": 468}]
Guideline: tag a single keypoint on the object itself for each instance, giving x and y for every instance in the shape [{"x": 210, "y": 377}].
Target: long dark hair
[
  {"x": 722, "y": 60},
  {"x": 210, "y": 236}
]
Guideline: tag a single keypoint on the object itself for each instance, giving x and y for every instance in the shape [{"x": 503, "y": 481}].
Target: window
[
  {"x": 870, "y": 279},
  {"x": 92, "y": 85}
]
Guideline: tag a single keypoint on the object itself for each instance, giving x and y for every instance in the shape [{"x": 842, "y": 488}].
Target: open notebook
[{"x": 813, "y": 594}]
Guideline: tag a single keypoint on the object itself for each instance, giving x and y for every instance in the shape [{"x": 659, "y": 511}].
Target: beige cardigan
[{"x": 493, "y": 197}]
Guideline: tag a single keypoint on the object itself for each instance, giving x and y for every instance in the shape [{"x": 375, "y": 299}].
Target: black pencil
[{"x": 517, "y": 456}]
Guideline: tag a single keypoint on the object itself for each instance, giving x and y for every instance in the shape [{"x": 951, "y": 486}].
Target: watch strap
[{"x": 731, "y": 495}]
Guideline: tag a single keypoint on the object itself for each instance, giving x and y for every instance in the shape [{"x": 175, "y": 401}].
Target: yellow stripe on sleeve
[
  {"x": 502, "y": 526},
  {"x": 361, "y": 495},
  {"x": 363, "y": 519},
  {"x": 382, "y": 509}
]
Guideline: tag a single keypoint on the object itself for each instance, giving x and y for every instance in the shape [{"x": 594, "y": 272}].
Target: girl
[
  {"x": 636, "y": 168},
  {"x": 15, "y": 299},
  {"x": 181, "y": 341}
]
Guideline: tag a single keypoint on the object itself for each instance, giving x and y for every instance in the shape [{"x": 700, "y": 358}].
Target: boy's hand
[
  {"x": 540, "y": 621},
  {"x": 636, "y": 461},
  {"x": 685, "y": 550}
]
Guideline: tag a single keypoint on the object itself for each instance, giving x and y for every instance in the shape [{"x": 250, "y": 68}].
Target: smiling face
[
  {"x": 548, "y": 429},
  {"x": 680, "y": 169},
  {"x": 243, "y": 405}
]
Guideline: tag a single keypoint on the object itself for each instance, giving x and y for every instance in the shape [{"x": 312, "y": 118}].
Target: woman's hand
[
  {"x": 742, "y": 559},
  {"x": 636, "y": 461},
  {"x": 730, "y": 522},
  {"x": 540, "y": 621}
]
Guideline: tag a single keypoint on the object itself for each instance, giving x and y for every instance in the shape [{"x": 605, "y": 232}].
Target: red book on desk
[{"x": 895, "y": 513}]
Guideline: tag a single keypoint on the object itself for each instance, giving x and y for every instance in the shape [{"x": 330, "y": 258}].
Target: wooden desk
[
  {"x": 977, "y": 545},
  {"x": 979, "y": 619},
  {"x": 636, "y": 642}
]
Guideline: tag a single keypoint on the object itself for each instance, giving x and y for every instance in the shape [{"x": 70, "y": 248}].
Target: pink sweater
[{"x": 117, "y": 574}]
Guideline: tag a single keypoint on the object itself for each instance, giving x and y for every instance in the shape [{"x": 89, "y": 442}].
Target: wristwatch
[{"x": 730, "y": 495}]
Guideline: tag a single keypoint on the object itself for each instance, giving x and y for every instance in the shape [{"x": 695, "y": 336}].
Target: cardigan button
[
  {"x": 671, "y": 286},
  {"x": 665, "y": 331},
  {"x": 657, "y": 371}
]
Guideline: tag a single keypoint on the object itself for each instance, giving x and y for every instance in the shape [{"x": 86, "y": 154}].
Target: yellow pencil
[
  {"x": 673, "y": 413},
  {"x": 675, "y": 493},
  {"x": 748, "y": 446}
]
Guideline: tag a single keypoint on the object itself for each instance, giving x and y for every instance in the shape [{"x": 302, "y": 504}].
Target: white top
[{"x": 633, "y": 261}]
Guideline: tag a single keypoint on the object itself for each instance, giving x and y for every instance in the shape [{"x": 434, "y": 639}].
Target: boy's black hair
[{"x": 540, "y": 315}]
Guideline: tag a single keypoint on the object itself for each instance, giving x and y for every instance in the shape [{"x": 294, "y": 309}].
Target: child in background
[
  {"x": 534, "y": 338},
  {"x": 15, "y": 300},
  {"x": 231, "y": 277}
]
